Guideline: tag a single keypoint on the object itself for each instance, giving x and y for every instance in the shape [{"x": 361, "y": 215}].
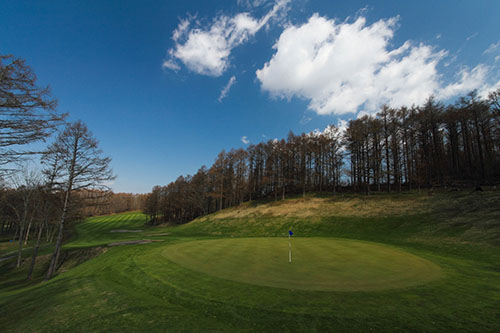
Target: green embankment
[{"x": 433, "y": 266}]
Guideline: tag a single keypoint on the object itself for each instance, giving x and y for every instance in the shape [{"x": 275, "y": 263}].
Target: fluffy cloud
[
  {"x": 245, "y": 140},
  {"x": 226, "y": 88},
  {"x": 469, "y": 80},
  {"x": 350, "y": 66},
  {"x": 206, "y": 50}
]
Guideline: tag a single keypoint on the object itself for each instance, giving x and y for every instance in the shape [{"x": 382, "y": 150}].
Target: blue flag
[{"x": 290, "y": 232}]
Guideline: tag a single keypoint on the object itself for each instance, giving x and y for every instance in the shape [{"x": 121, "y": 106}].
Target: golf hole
[{"x": 321, "y": 264}]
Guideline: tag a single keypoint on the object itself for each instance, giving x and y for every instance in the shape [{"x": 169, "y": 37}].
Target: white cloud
[
  {"x": 488, "y": 88},
  {"x": 474, "y": 35},
  {"x": 330, "y": 131},
  {"x": 171, "y": 64},
  {"x": 305, "y": 119},
  {"x": 469, "y": 80},
  {"x": 206, "y": 50},
  {"x": 181, "y": 29},
  {"x": 345, "y": 67},
  {"x": 245, "y": 140},
  {"x": 342, "y": 125},
  {"x": 493, "y": 48},
  {"x": 226, "y": 88}
]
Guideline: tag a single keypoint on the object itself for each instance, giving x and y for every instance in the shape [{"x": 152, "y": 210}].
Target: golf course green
[
  {"x": 322, "y": 264},
  {"x": 383, "y": 263}
]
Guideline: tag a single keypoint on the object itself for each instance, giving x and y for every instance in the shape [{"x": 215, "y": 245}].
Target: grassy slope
[
  {"x": 98, "y": 230},
  {"x": 462, "y": 223},
  {"x": 134, "y": 287}
]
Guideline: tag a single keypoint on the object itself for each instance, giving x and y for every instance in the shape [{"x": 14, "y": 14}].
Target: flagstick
[{"x": 289, "y": 248}]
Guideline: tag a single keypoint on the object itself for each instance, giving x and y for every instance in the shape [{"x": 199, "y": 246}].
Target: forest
[
  {"x": 397, "y": 149},
  {"x": 39, "y": 205}
]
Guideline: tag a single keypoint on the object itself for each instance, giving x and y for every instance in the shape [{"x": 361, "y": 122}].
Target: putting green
[{"x": 327, "y": 264}]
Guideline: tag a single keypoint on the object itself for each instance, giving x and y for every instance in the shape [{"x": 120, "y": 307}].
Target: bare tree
[
  {"x": 48, "y": 202},
  {"x": 25, "y": 207},
  {"x": 27, "y": 112},
  {"x": 83, "y": 168}
]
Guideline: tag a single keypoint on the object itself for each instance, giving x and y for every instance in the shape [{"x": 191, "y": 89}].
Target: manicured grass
[
  {"x": 323, "y": 264},
  {"x": 98, "y": 230},
  {"x": 198, "y": 278}
]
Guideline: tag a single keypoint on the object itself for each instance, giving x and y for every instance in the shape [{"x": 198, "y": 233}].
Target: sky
[{"x": 166, "y": 85}]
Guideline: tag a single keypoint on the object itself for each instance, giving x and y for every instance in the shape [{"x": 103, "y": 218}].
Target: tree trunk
[
  {"x": 47, "y": 234},
  {"x": 16, "y": 233},
  {"x": 71, "y": 177},
  {"x": 52, "y": 233},
  {"x": 35, "y": 253},
  {"x": 27, "y": 233},
  {"x": 55, "y": 256},
  {"x": 20, "y": 249},
  {"x": 21, "y": 233},
  {"x": 480, "y": 147}
]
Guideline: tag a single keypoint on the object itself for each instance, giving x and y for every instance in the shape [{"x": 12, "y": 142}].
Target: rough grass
[
  {"x": 340, "y": 206},
  {"x": 458, "y": 217},
  {"x": 137, "y": 288}
]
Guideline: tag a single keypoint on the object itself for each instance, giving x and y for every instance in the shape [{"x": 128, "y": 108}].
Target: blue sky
[{"x": 147, "y": 76}]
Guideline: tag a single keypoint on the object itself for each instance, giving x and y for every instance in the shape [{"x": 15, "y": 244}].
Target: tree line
[
  {"x": 396, "y": 149},
  {"x": 105, "y": 203},
  {"x": 44, "y": 204}
]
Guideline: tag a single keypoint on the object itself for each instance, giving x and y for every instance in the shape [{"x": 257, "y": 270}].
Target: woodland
[{"x": 397, "y": 149}]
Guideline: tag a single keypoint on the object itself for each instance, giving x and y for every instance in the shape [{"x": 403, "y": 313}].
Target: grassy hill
[
  {"x": 167, "y": 283},
  {"x": 447, "y": 220}
]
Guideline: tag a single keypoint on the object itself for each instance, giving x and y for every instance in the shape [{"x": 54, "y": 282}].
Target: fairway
[{"x": 320, "y": 264}]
